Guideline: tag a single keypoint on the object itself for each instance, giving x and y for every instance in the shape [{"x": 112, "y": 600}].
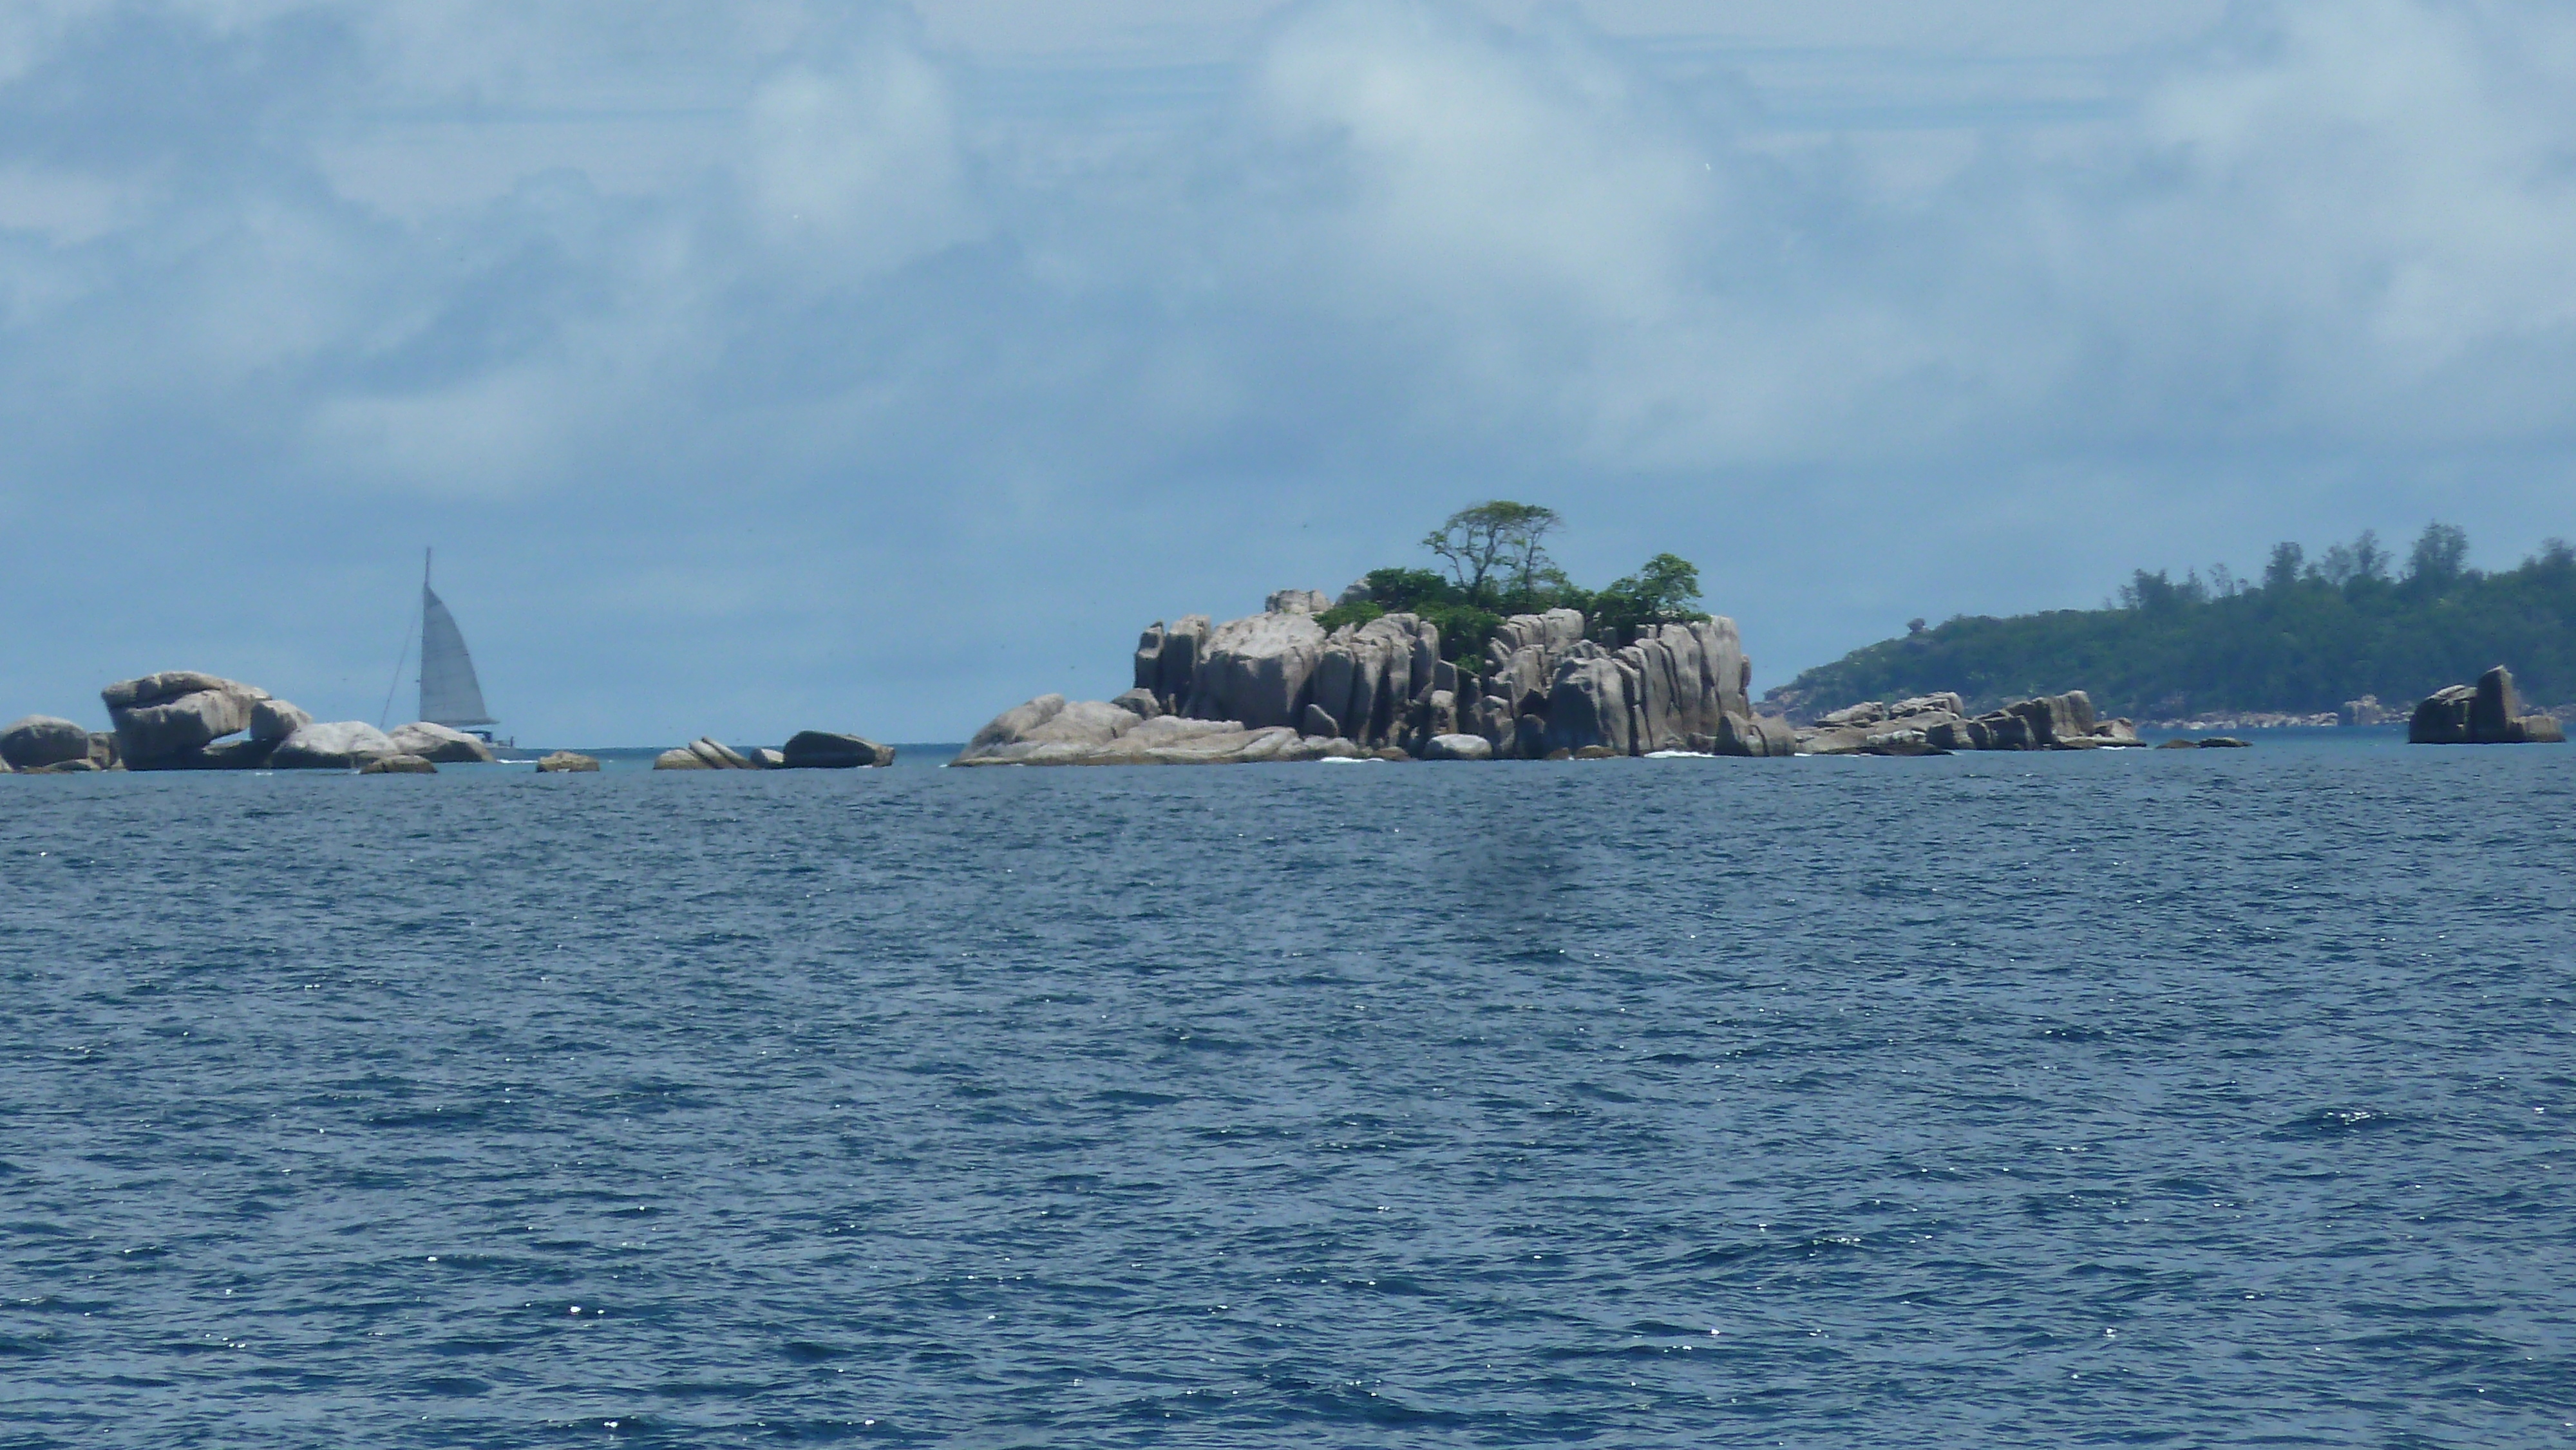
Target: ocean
[{"x": 2155, "y": 1098}]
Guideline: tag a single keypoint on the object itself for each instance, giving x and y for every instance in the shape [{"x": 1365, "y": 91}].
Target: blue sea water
[{"x": 2155, "y": 1098}]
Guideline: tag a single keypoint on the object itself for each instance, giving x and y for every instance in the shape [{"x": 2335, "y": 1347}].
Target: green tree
[
  {"x": 1660, "y": 593},
  {"x": 1494, "y": 548}
]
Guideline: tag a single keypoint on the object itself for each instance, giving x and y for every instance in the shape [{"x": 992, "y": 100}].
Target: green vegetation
[
  {"x": 1496, "y": 565},
  {"x": 2307, "y": 636}
]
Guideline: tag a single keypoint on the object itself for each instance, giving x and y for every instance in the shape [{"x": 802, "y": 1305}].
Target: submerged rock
[
  {"x": 398, "y": 765},
  {"x": 566, "y": 762},
  {"x": 41, "y": 740}
]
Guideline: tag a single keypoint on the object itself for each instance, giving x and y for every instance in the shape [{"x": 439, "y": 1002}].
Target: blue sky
[{"x": 770, "y": 365}]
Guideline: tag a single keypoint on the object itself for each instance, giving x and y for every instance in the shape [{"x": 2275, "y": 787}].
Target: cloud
[{"x": 909, "y": 387}]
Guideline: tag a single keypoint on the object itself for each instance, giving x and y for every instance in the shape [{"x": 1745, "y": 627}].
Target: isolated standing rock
[
  {"x": 41, "y": 740},
  {"x": 2487, "y": 713},
  {"x": 338, "y": 745},
  {"x": 567, "y": 762}
]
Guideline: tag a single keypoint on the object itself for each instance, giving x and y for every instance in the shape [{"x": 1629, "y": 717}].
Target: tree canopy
[
  {"x": 1494, "y": 563},
  {"x": 2307, "y": 637}
]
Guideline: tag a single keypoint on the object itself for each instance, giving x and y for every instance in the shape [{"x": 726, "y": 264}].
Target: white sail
[{"x": 449, "y": 693}]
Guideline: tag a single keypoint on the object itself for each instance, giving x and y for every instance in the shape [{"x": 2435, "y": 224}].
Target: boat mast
[{"x": 411, "y": 631}]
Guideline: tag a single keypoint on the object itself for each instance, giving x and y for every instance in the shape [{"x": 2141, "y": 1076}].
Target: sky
[{"x": 787, "y": 364}]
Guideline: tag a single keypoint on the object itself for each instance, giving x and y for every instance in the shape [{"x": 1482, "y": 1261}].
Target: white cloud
[{"x": 785, "y": 292}]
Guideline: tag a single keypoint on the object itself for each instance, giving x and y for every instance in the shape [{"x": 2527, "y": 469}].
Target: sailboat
[{"x": 450, "y": 694}]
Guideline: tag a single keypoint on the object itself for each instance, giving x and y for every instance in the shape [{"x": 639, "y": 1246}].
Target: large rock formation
[
  {"x": 165, "y": 721},
  {"x": 337, "y": 745},
  {"x": 437, "y": 744},
  {"x": 1276, "y": 686},
  {"x": 2486, "y": 713},
  {"x": 41, "y": 740}
]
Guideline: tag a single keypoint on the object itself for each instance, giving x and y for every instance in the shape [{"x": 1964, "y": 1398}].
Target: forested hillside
[{"x": 2307, "y": 636}]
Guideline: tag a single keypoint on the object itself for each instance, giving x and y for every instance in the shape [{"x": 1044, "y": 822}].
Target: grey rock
[
  {"x": 338, "y": 745},
  {"x": 1256, "y": 670},
  {"x": 1014, "y": 723},
  {"x": 1865, "y": 713},
  {"x": 42, "y": 740},
  {"x": 1297, "y": 601},
  {"x": 1138, "y": 702},
  {"x": 2442, "y": 718},
  {"x": 718, "y": 755},
  {"x": 1458, "y": 747},
  {"x": 2542, "y": 730},
  {"x": 764, "y": 758},
  {"x": 168, "y": 685},
  {"x": 1587, "y": 704},
  {"x": 438, "y": 744},
  {"x": 232, "y": 755},
  {"x": 1595, "y": 752},
  {"x": 569, "y": 762},
  {"x": 164, "y": 717},
  {"x": 273, "y": 720},
  {"x": 1317, "y": 722},
  {"x": 2495, "y": 708},
  {"x": 823, "y": 750},
  {"x": 1529, "y": 738},
  {"x": 2223, "y": 742},
  {"x": 682, "y": 758},
  {"x": 398, "y": 765},
  {"x": 1356, "y": 592},
  {"x": 1754, "y": 735},
  {"x": 2179, "y": 745}
]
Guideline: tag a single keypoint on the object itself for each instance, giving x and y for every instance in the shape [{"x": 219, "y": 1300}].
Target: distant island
[{"x": 2351, "y": 628}]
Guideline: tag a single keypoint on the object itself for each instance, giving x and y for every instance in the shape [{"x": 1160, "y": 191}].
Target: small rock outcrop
[
  {"x": 438, "y": 744},
  {"x": 1458, "y": 747},
  {"x": 703, "y": 753},
  {"x": 337, "y": 745},
  {"x": 2486, "y": 713},
  {"x": 824, "y": 750},
  {"x": 398, "y": 765},
  {"x": 164, "y": 721},
  {"x": 1939, "y": 724},
  {"x": 566, "y": 762},
  {"x": 41, "y": 740}
]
